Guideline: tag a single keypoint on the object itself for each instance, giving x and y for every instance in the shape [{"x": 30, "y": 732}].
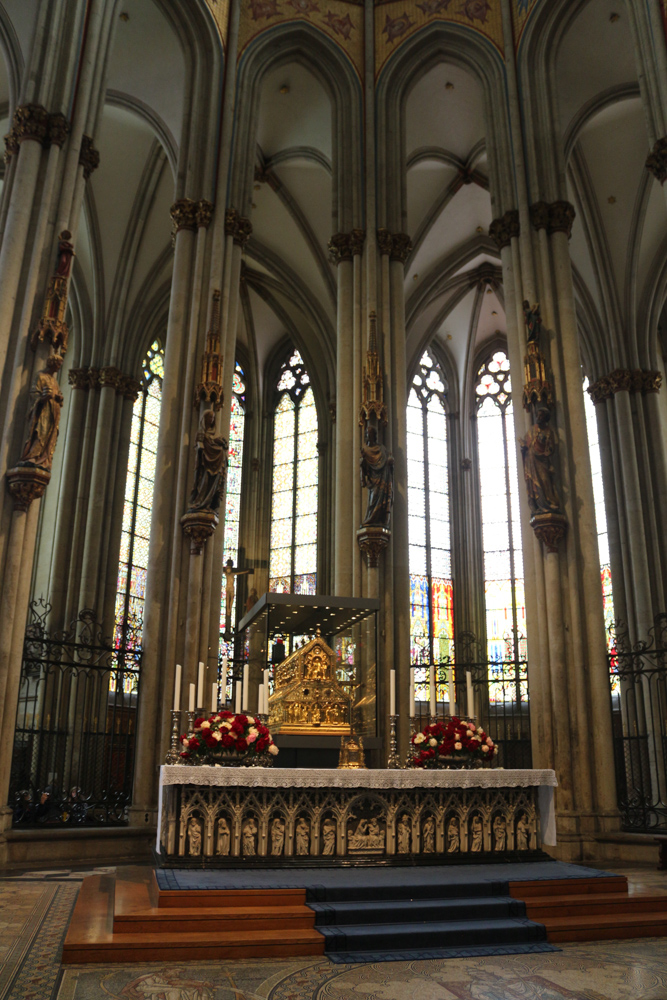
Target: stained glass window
[
  {"x": 293, "y": 546},
  {"x": 431, "y": 600},
  {"x": 501, "y": 528},
  {"x": 131, "y": 586},
  {"x": 234, "y": 472},
  {"x": 600, "y": 512}
]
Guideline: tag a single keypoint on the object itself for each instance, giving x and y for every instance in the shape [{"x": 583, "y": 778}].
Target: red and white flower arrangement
[
  {"x": 457, "y": 738},
  {"x": 226, "y": 733}
]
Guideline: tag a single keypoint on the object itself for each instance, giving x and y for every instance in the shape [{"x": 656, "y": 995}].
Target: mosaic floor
[{"x": 35, "y": 909}]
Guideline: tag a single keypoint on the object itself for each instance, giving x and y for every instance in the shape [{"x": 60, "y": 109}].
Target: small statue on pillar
[
  {"x": 53, "y": 323},
  {"x": 539, "y": 446},
  {"x": 201, "y": 518},
  {"x": 44, "y": 417},
  {"x": 376, "y": 463}
]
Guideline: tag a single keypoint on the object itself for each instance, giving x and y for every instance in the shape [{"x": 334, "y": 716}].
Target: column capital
[
  {"x": 343, "y": 246},
  {"x": 401, "y": 246},
  {"x": 238, "y": 227},
  {"x": 183, "y": 216},
  {"x": 384, "y": 241},
  {"x": 625, "y": 380},
  {"x": 84, "y": 378},
  {"x": 505, "y": 228},
  {"x": 561, "y": 217},
  {"x": 204, "y": 213},
  {"x": 30, "y": 121},
  {"x": 89, "y": 157},
  {"x": 656, "y": 161},
  {"x": 58, "y": 129}
]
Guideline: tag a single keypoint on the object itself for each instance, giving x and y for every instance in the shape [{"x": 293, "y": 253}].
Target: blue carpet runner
[{"x": 403, "y": 922}]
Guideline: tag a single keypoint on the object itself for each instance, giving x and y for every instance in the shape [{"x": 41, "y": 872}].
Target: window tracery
[
  {"x": 135, "y": 536},
  {"x": 431, "y": 588},
  {"x": 293, "y": 545}
]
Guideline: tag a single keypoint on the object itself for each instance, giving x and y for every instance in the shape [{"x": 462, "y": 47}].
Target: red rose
[
  {"x": 237, "y": 730},
  {"x": 226, "y": 714},
  {"x": 261, "y": 744},
  {"x": 227, "y": 741},
  {"x": 242, "y": 720},
  {"x": 241, "y": 745}
]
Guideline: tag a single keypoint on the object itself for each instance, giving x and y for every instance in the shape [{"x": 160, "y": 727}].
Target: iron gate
[
  {"x": 74, "y": 741},
  {"x": 638, "y": 674}
]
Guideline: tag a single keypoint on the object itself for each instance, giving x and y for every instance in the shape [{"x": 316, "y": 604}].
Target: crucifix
[{"x": 230, "y": 573}]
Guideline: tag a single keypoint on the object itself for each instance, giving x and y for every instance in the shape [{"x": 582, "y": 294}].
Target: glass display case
[{"x": 321, "y": 654}]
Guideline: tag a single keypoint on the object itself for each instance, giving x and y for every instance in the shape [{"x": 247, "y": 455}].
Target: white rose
[
  {"x": 470, "y": 734},
  {"x": 226, "y": 724},
  {"x": 432, "y": 742},
  {"x": 458, "y": 746},
  {"x": 274, "y": 749},
  {"x": 419, "y": 738},
  {"x": 479, "y": 729},
  {"x": 205, "y": 725},
  {"x": 252, "y": 731},
  {"x": 485, "y": 749},
  {"x": 477, "y": 738},
  {"x": 495, "y": 750},
  {"x": 217, "y": 736}
]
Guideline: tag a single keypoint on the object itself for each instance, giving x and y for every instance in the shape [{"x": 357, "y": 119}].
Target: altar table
[{"x": 238, "y": 816}]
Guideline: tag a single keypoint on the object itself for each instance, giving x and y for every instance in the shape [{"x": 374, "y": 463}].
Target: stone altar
[{"x": 225, "y": 817}]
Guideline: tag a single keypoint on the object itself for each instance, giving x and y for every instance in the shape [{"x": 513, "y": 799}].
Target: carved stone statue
[
  {"x": 44, "y": 417},
  {"x": 499, "y": 833},
  {"x": 537, "y": 449},
  {"x": 328, "y": 836},
  {"x": 533, "y": 321},
  {"x": 403, "y": 834},
  {"x": 476, "y": 833},
  {"x": 249, "y": 834},
  {"x": 277, "y": 836},
  {"x": 522, "y": 833},
  {"x": 377, "y": 475},
  {"x": 194, "y": 836},
  {"x": 224, "y": 837},
  {"x": 302, "y": 836},
  {"x": 453, "y": 836},
  {"x": 428, "y": 836},
  {"x": 210, "y": 466}
]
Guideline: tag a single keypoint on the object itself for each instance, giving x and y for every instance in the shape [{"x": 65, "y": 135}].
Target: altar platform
[{"x": 226, "y": 817}]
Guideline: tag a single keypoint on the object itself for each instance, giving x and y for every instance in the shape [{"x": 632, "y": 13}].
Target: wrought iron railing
[
  {"x": 500, "y": 688},
  {"x": 74, "y": 741},
  {"x": 638, "y": 674}
]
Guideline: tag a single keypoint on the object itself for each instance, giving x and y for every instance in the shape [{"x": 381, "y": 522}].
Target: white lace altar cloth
[{"x": 307, "y": 777}]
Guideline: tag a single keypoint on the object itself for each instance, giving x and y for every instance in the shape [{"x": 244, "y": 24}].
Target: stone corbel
[
  {"x": 89, "y": 157},
  {"x": 550, "y": 529},
  {"x": 199, "y": 526},
  {"x": 27, "y": 483},
  {"x": 372, "y": 541}
]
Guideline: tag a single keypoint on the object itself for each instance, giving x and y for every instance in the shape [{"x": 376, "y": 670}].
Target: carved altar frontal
[{"x": 218, "y": 817}]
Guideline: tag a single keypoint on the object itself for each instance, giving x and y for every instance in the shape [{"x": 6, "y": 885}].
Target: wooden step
[
  {"x": 607, "y": 927},
  {"x": 228, "y": 897},
  {"x": 569, "y": 886},
  {"x": 593, "y": 905},
  {"x": 114, "y": 920}
]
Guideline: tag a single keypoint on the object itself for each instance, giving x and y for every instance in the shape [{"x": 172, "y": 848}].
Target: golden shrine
[{"x": 307, "y": 698}]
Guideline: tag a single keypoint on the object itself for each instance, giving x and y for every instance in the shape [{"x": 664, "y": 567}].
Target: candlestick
[
  {"x": 223, "y": 680},
  {"x": 412, "y": 692},
  {"x": 412, "y": 752},
  {"x": 191, "y": 721},
  {"x": 433, "y": 705},
  {"x": 244, "y": 698},
  {"x": 392, "y": 692},
  {"x": 393, "y": 760},
  {"x": 214, "y": 698},
  {"x": 237, "y": 699},
  {"x": 177, "y": 689},
  {"x": 469, "y": 692},
  {"x": 191, "y": 701},
  {"x": 174, "y": 750},
  {"x": 200, "y": 685}
]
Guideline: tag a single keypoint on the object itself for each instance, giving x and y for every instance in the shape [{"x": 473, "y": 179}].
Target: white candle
[
  {"x": 200, "y": 687},
  {"x": 244, "y": 699},
  {"x": 260, "y": 699},
  {"x": 191, "y": 704},
  {"x": 392, "y": 692},
  {"x": 223, "y": 680},
  {"x": 412, "y": 693},
  {"x": 452, "y": 692},
  {"x": 237, "y": 700},
  {"x": 214, "y": 697},
  {"x": 177, "y": 689},
  {"x": 431, "y": 682},
  {"x": 469, "y": 692}
]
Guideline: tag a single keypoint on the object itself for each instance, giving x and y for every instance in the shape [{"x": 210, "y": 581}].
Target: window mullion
[
  {"x": 510, "y": 530},
  {"x": 135, "y": 504},
  {"x": 427, "y": 519},
  {"x": 295, "y": 453}
]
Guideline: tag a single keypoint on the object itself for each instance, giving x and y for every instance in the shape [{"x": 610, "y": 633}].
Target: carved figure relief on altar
[
  {"x": 476, "y": 833},
  {"x": 307, "y": 696},
  {"x": 277, "y": 836},
  {"x": 194, "y": 836},
  {"x": 428, "y": 836},
  {"x": 453, "y": 835},
  {"x": 302, "y": 836},
  {"x": 499, "y": 830},
  {"x": 522, "y": 839},
  {"x": 223, "y": 837},
  {"x": 403, "y": 834},
  {"x": 366, "y": 829},
  {"x": 249, "y": 836},
  {"x": 328, "y": 844}
]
